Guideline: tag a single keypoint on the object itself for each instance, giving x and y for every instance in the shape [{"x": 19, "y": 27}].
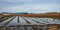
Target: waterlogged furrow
[
  {"x": 21, "y": 21},
  {"x": 26, "y": 20},
  {"x": 18, "y": 20},
  {"x": 41, "y": 21},
  {"x": 47, "y": 20},
  {"x": 32, "y": 22},
  {"x": 37, "y": 21},
  {"x": 2, "y": 23},
  {"x": 4, "y": 19},
  {"x": 8, "y": 21},
  {"x": 14, "y": 21}
]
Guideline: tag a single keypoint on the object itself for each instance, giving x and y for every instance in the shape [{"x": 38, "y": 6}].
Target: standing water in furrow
[
  {"x": 6, "y": 21},
  {"x": 14, "y": 21},
  {"x": 21, "y": 21},
  {"x": 40, "y": 21},
  {"x": 30, "y": 20},
  {"x": 36, "y": 21},
  {"x": 27, "y": 21},
  {"x": 18, "y": 20},
  {"x": 48, "y": 20}
]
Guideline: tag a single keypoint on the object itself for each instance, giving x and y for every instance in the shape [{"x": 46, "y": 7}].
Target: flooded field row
[
  {"x": 18, "y": 20},
  {"x": 25, "y": 23}
]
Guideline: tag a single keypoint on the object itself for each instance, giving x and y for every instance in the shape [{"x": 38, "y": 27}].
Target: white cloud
[
  {"x": 32, "y": 8},
  {"x": 30, "y": 1},
  {"x": 29, "y": 5}
]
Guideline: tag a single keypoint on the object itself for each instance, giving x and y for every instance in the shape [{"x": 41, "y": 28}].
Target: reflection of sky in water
[
  {"x": 51, "y": 20},
  {"x": 23, "y": 22},
  {"x": 14, "y": 21},
  {"x": 1, "y": 23},
  {"x": 30, "y": 20}
]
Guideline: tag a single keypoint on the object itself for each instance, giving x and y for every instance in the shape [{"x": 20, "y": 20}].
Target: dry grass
[{"x": 34, "y": 15}]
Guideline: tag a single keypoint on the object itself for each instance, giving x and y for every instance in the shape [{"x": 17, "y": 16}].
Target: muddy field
[{"x": 26, "y": 22}]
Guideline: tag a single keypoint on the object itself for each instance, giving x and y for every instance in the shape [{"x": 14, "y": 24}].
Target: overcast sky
[{"x": 31, "y": 6}]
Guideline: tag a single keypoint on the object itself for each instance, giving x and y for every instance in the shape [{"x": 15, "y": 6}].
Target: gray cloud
[{"x": 29, "y": 5}]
